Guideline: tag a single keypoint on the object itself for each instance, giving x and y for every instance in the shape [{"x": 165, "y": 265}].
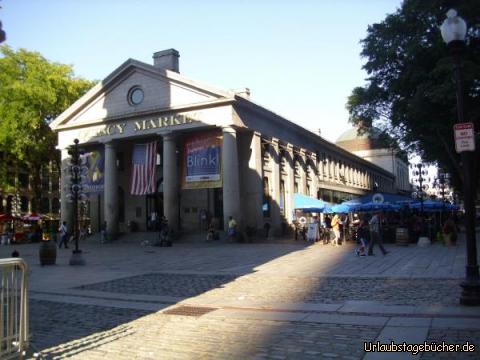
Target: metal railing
[{"x": 13, "y": 308}]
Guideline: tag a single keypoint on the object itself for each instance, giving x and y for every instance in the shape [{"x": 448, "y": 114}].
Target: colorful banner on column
[
  {"x": 202, "y": 160},
  {"x": 95, "y": 162}
]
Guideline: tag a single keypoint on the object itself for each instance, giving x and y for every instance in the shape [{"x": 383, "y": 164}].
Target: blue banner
[
  {"x": 202, "y": 161},
  {"x": 95, "y": 162}
]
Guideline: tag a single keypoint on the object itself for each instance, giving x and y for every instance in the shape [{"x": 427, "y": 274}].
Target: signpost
[{"x": 464, "y": 137}]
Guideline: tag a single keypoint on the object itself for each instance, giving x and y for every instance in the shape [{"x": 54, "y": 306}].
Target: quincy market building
[{"x": 160, "y": 144}]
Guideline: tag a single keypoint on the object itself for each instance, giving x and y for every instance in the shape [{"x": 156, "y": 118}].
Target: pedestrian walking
[
  {"x": 336, "y": 229},
  {"x": 232, "y": 228},
  {"x": 362, "y": 235},
  {"x": 103, "y": 233},
  {"x": 375, "y": 234},
  {"x": 63, "y": 235},
  {"x": 83, "y": 233}
]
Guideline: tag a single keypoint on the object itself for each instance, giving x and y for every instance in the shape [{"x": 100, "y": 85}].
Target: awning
[
  {"x": 433, "y": 205},
  {"x": 379, "y": 197},
  {"x": 308, "y": 203},
  {"x": 7, "y": 217}
]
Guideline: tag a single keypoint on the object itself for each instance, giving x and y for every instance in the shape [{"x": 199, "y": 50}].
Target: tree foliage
[
  {"x": 410, "y": 90},
  {"x": 33, "y": 91}
]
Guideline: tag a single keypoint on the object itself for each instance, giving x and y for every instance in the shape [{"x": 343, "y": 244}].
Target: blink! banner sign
[
  {"x": 95, "y": 162},
  {"x": 202, "y": 160}
]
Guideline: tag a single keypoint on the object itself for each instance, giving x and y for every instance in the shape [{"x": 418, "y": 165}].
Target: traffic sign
[{"x": 464, "y": 137}]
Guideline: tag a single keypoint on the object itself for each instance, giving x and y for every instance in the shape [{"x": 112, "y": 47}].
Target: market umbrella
[
  {"x": 429, "y": 205},
  {"x": 33, "y": 217},
  {"x": 372, "y": 206},
  {"x": 380, "y": 197},
  {"x": 308, "y": 203},
  {"x": 341, "y": 208},
  {"x": 453, "y": 207},
  {"x": 7, "y": 217}
]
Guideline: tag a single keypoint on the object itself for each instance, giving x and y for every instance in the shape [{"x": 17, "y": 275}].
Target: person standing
[
  {"x": 232, "y": 228},
  {"x": 103, "y": 232},
  {"x": 375, "y": 235},
  {"x": 336, "y": 229},
  {"x": 362, "y": 235},
  {"x": 63, "y": 235}
]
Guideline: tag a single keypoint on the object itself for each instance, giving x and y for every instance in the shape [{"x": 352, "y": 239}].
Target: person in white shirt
[{"x": 63, "y": 235}]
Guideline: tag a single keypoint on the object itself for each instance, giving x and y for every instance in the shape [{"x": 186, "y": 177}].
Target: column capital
[
  {"x": 169, "y": 136},
  {"x": 110, "y": 144},
  {"x": 229, "y": 129}
]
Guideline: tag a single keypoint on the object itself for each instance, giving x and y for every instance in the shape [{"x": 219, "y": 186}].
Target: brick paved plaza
[{"x": 221, "y": 300}]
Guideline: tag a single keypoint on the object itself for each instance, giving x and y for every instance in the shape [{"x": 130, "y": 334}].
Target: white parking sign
[{"x": 464, "y": 137}]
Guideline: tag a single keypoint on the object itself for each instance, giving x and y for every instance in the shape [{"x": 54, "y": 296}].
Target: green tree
[
  {"x": 410, "y": 90},
  {"x": 33, "y": 92}
]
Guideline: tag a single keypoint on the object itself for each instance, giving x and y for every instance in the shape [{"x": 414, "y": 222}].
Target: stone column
[
  {"x": 110, "y": 209},
  {"x": 170, "y": 180},
  {"x": 302, "y": 186},
  {"x": 66, "y": 208},
  {"x": 326, "y": 164},
  {"x": 231, "y": 184},
  {"x": 314, "y": 176},
  {"x": 253, "y": 210},
  {"x": 290, "y": 184},
  {"x": 275, "y": 215}
]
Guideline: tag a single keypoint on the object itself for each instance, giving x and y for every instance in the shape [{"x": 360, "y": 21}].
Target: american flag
[{"x": 144, "y": 162}]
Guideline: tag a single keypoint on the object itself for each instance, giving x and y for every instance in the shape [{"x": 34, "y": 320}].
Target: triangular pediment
[{"x": 162, "y": 90}]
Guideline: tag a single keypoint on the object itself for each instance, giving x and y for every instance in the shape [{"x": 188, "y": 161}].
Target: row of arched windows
[
  {"x": 326, "y": 168},
  {"x": 22, "y": 204}
]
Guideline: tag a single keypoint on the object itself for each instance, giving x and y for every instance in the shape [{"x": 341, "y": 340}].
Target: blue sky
[{"x": 300, "y": 59}]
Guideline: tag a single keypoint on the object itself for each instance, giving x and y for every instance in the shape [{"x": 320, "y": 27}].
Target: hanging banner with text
[
  {"x": 202, "y": 160},
  {"x": 95, "y": 162}
]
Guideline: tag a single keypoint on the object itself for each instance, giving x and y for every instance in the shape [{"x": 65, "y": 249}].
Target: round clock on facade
[{"x": 135, "y": 95}]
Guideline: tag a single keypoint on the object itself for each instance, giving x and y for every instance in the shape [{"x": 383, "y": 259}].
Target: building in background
[
  {"x": 372, "y": 145},
  {"x": 16, "y": 198},
  {"x": 160, "y": 144}
]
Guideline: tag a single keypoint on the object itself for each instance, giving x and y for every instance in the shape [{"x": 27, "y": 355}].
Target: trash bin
[{"x": 401, "y": 236}]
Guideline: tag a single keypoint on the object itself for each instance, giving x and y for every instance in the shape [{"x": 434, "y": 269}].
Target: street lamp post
[
  {"x": 441, "y": 182},
  {"x": 76, "y": 170},
  {"x": 421, "y": 187},
  {"x": 454, "y": 30}
]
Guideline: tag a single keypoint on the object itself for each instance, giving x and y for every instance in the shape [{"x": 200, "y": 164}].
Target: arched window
[
  {"x": 282, "y": 197},
  {"x": 55, "y": 206},
  {"x": 45, "y": 205},
  {"x": 9, "y": 204},
  {"x": 266, "y": 198},
  {"x": 23, "y": 204}
]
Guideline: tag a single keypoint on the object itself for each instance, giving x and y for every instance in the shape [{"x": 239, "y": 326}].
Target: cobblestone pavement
[
  {"x": 92, "y": 332},
  {"x": 53, "y": 323},
  {"x": 159, "y": 336},
  {"x": 179, "y": 285},
  {"x": 289, "y": 289},
  {"x": 273, "y": 301}
]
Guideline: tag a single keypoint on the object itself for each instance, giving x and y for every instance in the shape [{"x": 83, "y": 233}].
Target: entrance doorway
[
  {"x": 154, "y": 207},
  {"x": 154, "y": 211}
]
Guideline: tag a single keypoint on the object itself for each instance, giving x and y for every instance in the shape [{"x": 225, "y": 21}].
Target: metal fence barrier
[{"x": 13, "y": 308}]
